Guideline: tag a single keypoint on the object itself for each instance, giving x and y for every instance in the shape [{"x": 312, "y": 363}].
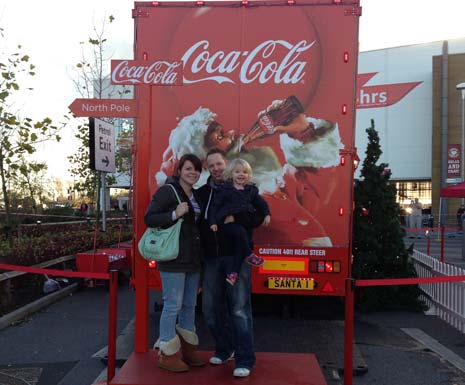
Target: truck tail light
[
  {"x": 290, "y": 2},
  {"x": 200, "y": 3},
  {"x": 346, "y": 57},
  {"x": 245, "y": 3},
  {"x": 325, "y": 266},
  {"x": 341, "y": 211},
  {"x": 145, "y": 56},
  {"x": 344, "y": 109},
  {"x": 342, "y": 161},
  {"x": 152, "y": 264}
]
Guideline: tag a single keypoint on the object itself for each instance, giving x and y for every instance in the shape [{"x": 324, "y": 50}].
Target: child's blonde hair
[{"x": 227, "y": 173}]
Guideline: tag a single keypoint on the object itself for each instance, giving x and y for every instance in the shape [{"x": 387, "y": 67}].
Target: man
[
  {"x": 226, "y": 309},
  {"x": 416, "y": 215},
  {"x": 460, "y": 212}
]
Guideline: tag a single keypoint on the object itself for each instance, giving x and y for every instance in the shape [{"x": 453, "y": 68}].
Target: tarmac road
[
  {"x": 453, "y": 241},
  {"x": 56, "y": 346}
]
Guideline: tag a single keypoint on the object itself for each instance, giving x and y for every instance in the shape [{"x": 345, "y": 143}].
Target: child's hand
[
  {"x": 214, "y": 228},
  {"x": 229, "y": 219},
  {"x": 266, "y": 220}
]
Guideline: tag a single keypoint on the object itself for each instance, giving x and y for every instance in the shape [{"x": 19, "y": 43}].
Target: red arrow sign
[{"x": 111, "y": 108}]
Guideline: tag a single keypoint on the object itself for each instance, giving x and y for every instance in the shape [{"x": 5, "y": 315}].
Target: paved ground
[{"x": 58, "y": 346}]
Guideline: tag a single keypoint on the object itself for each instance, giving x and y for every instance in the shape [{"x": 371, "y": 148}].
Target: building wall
[
  {"x": 455, "y": 75},
  {"x": 409, "y": 129}
]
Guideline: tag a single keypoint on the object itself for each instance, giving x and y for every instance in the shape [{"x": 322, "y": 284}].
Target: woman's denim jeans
[
  {"x": 228, "y": 313},
  {"x": 179, "y": 299}
]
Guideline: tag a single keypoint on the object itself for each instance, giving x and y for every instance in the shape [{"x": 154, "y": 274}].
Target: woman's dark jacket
[{"x": 159, "y": 214}]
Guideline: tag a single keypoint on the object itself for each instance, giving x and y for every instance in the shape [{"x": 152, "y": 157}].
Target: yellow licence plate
[{"x": 291, "y": 283}]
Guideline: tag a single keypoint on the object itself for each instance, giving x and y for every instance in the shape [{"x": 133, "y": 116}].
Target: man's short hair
[{"x": 215, "y": 150}]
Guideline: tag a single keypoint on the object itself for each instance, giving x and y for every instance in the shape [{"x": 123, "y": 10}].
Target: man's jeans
[
  {"x": 179, "y": 299},
  {"x": 228, "y": 313}
]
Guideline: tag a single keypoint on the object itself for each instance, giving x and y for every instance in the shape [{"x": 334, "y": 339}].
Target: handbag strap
[{"x": 175, "y": 192}]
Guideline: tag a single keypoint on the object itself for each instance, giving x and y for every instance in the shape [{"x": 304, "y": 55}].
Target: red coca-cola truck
[{"x": 273, "y": 83}]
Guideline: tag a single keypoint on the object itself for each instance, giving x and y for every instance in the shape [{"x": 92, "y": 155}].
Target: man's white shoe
[
  {"x": 218, "y": 361},
  {"x": 241, "y": 372}
]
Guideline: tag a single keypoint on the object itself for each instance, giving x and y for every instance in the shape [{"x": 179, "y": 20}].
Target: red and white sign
[
  {"x": 155, "y": 73},
  {"x": 454, "y": 162},
  {"x": 381, "y": 95},
  {"x": 111, "y": 108}
]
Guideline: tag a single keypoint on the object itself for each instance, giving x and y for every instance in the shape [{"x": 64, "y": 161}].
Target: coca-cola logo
[
  {"x": 274, "y": 61},
  {"x": 266, "y": 123},
  {"x": 159, "y": 72}
]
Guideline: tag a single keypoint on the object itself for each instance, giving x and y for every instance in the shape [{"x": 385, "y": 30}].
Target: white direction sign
[{"x": 102, "y": 145}]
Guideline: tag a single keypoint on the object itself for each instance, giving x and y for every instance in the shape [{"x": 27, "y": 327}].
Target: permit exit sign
[{"x": 101, "y": 145}]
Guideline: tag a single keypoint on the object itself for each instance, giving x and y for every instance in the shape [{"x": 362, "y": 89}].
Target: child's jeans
[{"x": 240, "y": 241}]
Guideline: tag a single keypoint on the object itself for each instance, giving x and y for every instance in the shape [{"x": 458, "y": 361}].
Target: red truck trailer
[{"x": 273, "y": 83}]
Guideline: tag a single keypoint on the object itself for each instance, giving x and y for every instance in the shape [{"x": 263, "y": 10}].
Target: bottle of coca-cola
[{"x": 279, "y": 115}]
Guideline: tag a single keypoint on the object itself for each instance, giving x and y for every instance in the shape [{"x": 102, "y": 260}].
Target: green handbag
[{"x": 159, "y": 244}]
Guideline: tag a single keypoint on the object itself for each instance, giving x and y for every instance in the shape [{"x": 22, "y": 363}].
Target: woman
[{"x": 180, "y": 277}]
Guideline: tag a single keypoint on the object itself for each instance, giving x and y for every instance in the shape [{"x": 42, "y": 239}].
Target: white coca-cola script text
[
  {"x": 157, "y": 73},
  {"x": 273, "y": 60}
]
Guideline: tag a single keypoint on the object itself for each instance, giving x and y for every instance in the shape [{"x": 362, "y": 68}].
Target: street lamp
[{"x": 461, "y": 87}]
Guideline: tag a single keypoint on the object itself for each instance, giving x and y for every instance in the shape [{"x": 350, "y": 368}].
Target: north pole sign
[
  {"x": 115, "y": 108},
  {"x": 101, "y": 145}
]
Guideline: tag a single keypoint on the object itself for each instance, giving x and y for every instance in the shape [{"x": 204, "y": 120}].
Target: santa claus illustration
[{"x": 297, "y": 190}]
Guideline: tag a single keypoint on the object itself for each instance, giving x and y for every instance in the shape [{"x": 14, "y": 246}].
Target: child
[{"x": 237, "y": 195}]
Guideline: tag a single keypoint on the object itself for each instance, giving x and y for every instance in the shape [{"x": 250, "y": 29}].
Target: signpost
[
  {"x": 101, "y": 133},
  {"x": 102, "y": 155}
]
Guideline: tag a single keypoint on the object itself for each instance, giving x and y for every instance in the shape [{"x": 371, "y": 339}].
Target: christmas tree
[{"x": 378, "y": 237}]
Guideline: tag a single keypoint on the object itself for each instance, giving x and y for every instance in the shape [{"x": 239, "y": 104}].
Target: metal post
[
  {"x": 462, "y": 219},
  {"x": 442, "y": 243},
  {"x": 463, "y": 158},
  {"x": 112, "y": 313},
  {"x": 462, "y": 161},
  {"x": 349, "y": 331},
  {"x": 428, "y": 243},
  {"x": 104, "y": 201}
]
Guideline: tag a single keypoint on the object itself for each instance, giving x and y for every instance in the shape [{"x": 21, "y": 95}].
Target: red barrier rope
[
  {"x": 55, "y": 272},
  {"x": 407, "y": 281},
  {"x": 112, "y": 325}
]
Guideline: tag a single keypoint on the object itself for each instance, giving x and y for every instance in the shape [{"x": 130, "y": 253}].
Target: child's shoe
[
  {"x": 255, "y": 260},
  {"x": 231, "y": 278}
]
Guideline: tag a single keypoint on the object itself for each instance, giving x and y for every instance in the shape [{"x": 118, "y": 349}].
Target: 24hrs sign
[{"x": 101, "y": 145}]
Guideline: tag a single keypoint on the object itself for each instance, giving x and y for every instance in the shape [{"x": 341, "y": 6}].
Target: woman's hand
[
  {"x": 214, "y": 228},
  {"x": 266, "y": 220},
  {"x": 182, "y": 208}
]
